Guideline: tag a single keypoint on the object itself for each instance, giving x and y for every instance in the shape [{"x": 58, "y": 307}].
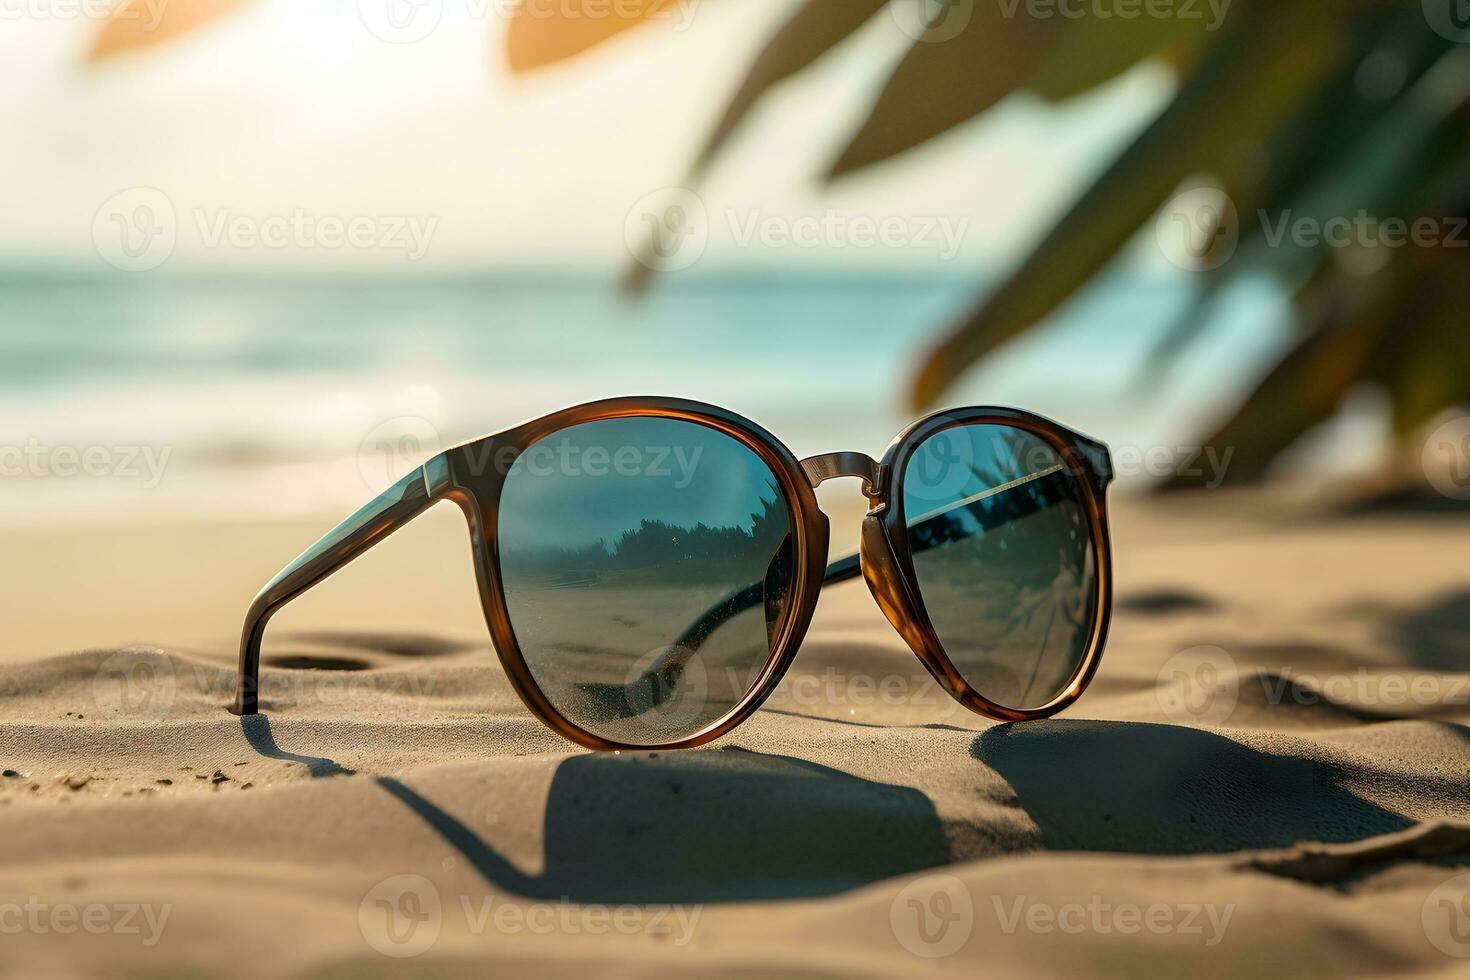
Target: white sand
[{"x": 1311, "y": 820}]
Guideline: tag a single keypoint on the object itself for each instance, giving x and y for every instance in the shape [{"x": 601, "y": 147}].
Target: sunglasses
[{"x": 649, "y": 566}]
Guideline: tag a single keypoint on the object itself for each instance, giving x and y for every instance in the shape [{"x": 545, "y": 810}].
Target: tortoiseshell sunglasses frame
[{"x": 473, "y": 475}]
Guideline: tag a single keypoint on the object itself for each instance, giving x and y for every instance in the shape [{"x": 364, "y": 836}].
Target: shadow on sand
[
  {"x": 712, "y": 825},
  {"x": 1166, "y": 789},
  {"x": 257, "y": 729},
  {"x": 700, "y": 826}
]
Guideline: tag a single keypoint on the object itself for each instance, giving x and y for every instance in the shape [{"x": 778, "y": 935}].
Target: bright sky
[{"x": 297, "y": 105}]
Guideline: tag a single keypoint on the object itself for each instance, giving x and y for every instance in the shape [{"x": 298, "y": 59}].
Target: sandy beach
[
  {"x": 273, "y": 269},
  {"x": 1270, "y": 772}
]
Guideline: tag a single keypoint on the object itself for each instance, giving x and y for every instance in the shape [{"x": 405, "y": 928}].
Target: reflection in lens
[
  {"x": 1000, "y": 534},
  {"x": 646, "y": 564}
]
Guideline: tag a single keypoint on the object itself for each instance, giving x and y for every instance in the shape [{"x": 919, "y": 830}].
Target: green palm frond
[{"x": 1295, "y": 109}]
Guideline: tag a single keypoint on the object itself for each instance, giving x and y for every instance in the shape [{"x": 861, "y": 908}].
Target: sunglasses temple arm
[{"x": 385, "y": 514}]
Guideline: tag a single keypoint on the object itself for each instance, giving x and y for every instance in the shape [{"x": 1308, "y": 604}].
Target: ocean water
[{"x": 291, "y": 394}]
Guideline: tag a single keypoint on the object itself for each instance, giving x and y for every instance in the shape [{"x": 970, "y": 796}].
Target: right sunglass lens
[
  {"x": 646, "y": 564},
  {"x": 1002, "y": 545}
]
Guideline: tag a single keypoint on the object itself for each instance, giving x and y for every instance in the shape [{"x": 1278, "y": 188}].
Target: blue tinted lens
[
  {"x": 646, "y": 564},
  {"x": 1003, "y": 551}
]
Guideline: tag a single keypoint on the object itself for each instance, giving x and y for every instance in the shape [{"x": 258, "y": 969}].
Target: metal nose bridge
[{"x": 820, "y": 469}]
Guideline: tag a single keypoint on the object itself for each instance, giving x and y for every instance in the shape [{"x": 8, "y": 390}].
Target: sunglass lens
[
  {"x": 647, "y": 565},
  {"x": 1001, "y": 536}
]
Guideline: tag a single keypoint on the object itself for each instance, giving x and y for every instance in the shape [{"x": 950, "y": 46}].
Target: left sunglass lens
[{"x": 646, "y": 564}]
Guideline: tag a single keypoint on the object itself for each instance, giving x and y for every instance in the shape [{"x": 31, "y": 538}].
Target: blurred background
[{"x": 259, "y": 257}]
